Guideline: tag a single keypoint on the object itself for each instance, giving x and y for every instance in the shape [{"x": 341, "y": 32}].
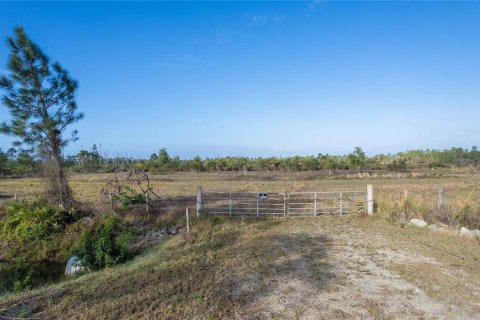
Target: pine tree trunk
[
  {"x": 62, "y": 189},
  {"x": 58, "y": 180}
]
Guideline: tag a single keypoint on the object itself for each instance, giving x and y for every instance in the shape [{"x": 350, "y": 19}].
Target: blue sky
[{"x": 263, "y": 78}]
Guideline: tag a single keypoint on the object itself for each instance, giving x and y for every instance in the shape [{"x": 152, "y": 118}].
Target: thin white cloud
[
  {"x": 256, "y": 18},
  {"x": 167, "y": 66},
  {"x": 190, "y": 59},
  {"x": 181, "y": 62},
  {"x": 313, "y": 5},
  {"x": 260, "y": 19},
  {"x": 278, "y": 17}
]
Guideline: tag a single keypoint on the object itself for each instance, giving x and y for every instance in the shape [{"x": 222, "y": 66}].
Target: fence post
[
  {"x": 405, "y": 194},
  {"x": 369, "y": 199},
  {"x": 284, "y": 205},
  {"x": 188, "y": 221},
  {"x": 230, "y": 204},
  {"x": 315, "y": 206},
  {"x": 199, "y": 200},
  {"x": 257, "y": 204},
  {"x": 341, "y": 203},
  {"x": 439, "y": 198},
  {"x": 147, "y": 200},
  {"x": 111, "y": 199}
]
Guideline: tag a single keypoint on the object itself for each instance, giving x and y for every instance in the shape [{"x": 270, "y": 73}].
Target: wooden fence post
[
  {"x": 147, "y": 200},
  {"x": 188, "y": 221},
  {"x": 111, "y": 199},
  {"x": 369, "y": 199},
  {"x": 439, "y": 198},
  {"x": 199, "y": 201},
  {"x": 230, "y": 204},
  {"x": 341, "y": 204}
]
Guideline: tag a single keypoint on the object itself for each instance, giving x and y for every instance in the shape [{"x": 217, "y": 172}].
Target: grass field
[
  {"x": 389, "y": 190},
  {"x": 87, "y": 186},
  {"x": 350, "y": 267}
]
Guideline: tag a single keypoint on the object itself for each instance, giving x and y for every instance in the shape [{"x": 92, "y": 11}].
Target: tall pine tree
[{"x": 40, "y": 96}]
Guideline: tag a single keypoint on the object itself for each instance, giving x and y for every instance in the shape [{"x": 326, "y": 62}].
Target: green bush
[
  {"x": 106, "y": 244},
  {"x": 130, "y": 197},
  {"x": 15, "y": 277},
  {"x": 20, "y": 274},
  {"x": 32, "y": 221},
  {"x": 35, "y": 239}
]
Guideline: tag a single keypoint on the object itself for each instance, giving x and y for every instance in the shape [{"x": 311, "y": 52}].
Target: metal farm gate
[{"x": 280, "y": 204}]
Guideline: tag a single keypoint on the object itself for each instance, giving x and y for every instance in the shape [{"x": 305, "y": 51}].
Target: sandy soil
[{"x": 344, "y": 271}]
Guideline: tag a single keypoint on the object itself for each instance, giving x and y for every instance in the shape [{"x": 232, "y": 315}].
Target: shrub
[
  {"x": 106, "y": 244},
  {"x": 15, "y": 277},
  {"x": 20, "y": 274},
  {"x": 32, "y": 235},
  {"x": 435, "y": 165},
  {"x": 130, "y": 197},
  {"x": 32, "y": 221}
]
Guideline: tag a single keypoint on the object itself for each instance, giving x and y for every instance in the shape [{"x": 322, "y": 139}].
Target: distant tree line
[{"x": 13, "y": 162}]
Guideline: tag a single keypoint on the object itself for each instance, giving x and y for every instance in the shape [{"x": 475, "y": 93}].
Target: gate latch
[{"x": 262, "y": 195}]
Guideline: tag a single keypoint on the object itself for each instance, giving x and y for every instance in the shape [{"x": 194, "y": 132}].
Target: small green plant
[
  {"x": 23, "y": 311},
  {"x": 17, "y": 276},
  {"x": 23, "y": 278},
  {"x": 106, "y": 244},
  {"x": 130, "y": 196}
]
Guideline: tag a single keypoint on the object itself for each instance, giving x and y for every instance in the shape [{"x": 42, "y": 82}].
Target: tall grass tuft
[{"x": 401, "y": 210}]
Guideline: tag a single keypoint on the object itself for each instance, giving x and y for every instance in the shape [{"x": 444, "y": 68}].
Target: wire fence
[{"x": 284, "y": 204}]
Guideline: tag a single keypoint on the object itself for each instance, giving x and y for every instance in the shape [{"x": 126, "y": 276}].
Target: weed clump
[
  {"x": 106, "y": 245},
  {"x": 467, "y": 215},
  {"x": 401, "y": 210}
]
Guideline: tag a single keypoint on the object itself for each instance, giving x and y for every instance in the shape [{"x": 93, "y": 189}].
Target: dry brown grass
[
  {"x": 87, "y": 186},
  {"x": 389, "y": 192}
]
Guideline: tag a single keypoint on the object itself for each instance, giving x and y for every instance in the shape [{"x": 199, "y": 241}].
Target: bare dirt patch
[{"x": 355, "y": 275}]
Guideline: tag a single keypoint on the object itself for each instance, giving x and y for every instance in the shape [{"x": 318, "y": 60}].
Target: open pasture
[{"x": 390, "y": 189}]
